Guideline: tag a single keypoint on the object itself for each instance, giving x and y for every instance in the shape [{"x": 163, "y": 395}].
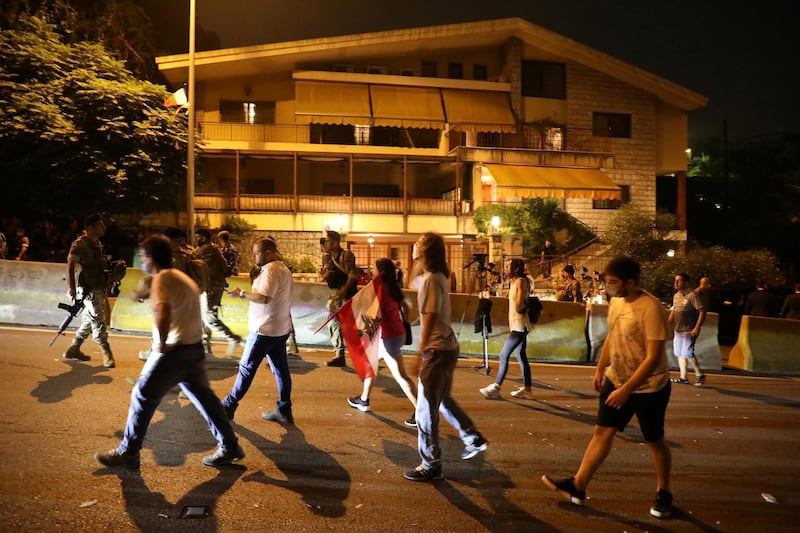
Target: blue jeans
[
  {"x": 517, "y": 340},
  {"x": 184, "y": 366},
  {"x": 433, "y": 397},
  {"x": 257, "y": 348}
]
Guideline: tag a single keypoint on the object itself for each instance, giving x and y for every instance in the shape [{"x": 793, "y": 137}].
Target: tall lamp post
[{"x": 190, "y": 144}]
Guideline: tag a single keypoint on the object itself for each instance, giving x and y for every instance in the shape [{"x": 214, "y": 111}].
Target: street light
[{"x": 190, "y": 144}]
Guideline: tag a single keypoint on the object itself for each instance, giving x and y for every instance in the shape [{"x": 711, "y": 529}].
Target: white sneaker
[
  {"x": 522, "y": 393},
  {"x": 492, "y": 391}
]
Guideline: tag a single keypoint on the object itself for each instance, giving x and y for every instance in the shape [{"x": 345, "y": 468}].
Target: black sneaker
[
  {"x": 277, "y": 416},
  {"x": 471, "y": 450},
  {"x": 358, "y": 403},
  {"x": 224, "y": 456},
  {"x": 700, "y": 381},
  {"x": 116, "y": 458},
  {"x": 412, "y": 421},
  {"x": 662, "y": 506},
  {"x": 682, "y": 381},
  {"x": 336, "y": 361},
  {"x": 420, "y": 473},
  {"x": 566, "y": 488}
]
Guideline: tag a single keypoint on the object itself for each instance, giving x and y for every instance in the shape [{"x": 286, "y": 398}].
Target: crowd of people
[{"x": 184, "y": 286}]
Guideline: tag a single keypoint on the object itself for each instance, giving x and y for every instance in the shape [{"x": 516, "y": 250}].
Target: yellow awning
[
  {"x": 552, "y": 182},
  {"x": 325, "y": 102},
  {"x": 478, "y": 110},
  {"x": 406, "y": 107}
]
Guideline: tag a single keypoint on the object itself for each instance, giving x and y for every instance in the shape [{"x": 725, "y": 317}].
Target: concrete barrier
[
  {"x": 767, "y": 345},
  {"x": 30, "y": 293},
  {"x": 707, "y": 348}
]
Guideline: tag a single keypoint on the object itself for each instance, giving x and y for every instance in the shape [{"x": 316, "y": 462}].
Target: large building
[{"x": 386, "y": 135}]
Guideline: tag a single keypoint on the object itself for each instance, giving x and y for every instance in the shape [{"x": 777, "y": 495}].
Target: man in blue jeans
[
  {"x": 269, "y": 323},
  {"x": 176, "y": 358}
]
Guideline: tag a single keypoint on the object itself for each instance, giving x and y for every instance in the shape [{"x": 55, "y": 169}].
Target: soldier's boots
[
  {"x": 74, "y": 352},
  {"x": 108, "y": 357}
]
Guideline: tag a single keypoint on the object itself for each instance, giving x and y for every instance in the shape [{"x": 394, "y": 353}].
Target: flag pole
[{"x": 190, "y": 145}]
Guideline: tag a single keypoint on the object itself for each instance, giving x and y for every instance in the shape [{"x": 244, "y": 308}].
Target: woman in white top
[{"x": 518, "y": 326}]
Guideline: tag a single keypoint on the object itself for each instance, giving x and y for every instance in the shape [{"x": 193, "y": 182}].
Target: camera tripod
[{"x": 478, "y": 285}]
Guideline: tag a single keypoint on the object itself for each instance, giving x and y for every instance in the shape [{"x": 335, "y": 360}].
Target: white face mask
[{"x": 415, "y": 252}]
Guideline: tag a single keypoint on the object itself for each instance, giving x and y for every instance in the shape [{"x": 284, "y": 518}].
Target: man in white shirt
[
  {"x": 176, "y": 358},
  {"x": 269, "y": 324}
]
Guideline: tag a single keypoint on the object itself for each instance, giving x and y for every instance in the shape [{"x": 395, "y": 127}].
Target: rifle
[{"x": 73, "y": 311}]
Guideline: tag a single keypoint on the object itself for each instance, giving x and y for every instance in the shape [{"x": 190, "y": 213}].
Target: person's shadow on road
[
  {"x": 314, "y": 474},
  {"x": 54, "y": 389}
]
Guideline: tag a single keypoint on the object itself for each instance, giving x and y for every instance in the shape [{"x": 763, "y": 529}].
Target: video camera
[{"x": 479, "y": 260}]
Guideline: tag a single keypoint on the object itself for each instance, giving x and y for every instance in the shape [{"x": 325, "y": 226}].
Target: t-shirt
[
  {"x": 272, "y": 319},
  {"x": 686, "y": 308},
  {"x": 88, "y": 253},
  {"x": 391, "y": 323},
  {"x": 181, "y": 294},
  {"x": 630, "y": 326},
  {"x": 433, "y": 297}
]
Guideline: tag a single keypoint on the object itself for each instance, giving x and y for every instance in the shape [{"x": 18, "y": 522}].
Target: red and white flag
[
  {"x": 360, "y": 320},
  {"x": 177, "y": 99}
]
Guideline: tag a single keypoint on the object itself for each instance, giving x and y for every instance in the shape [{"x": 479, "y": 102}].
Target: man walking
[
  {"x": 687, "y": 317},
  {"x": 269, "y": 323},
  {"x": 216, "y": 267},
  {"x": 632, "y": 379},
  {"x": 176, "y": 359},
  {"x": 91, "y": 285},
  {"x": 339, "y": 272}
]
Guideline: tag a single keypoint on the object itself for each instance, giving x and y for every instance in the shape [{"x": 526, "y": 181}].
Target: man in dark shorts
[{"x": 632, "y": 377}]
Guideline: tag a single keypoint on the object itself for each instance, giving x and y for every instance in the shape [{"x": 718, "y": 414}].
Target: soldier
[
  {"x": 87, "y": 251},
  {"x": 229, "y": 252}
]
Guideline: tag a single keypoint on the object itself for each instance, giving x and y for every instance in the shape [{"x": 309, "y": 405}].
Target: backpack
[{"x": 534, "y": 309}]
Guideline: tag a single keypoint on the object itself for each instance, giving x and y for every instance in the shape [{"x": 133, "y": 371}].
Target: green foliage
[
  {"x": 726, "y": 268},
  {"x": 633, "y": 233},
  {"x": 239, "y": 228},
  {"x": 533, "y": 221},
  {"x": 76, "y": 127},
  {"x": 300, "y": 264}
]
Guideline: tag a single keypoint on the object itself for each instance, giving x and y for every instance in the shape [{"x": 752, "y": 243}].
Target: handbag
[{"x": 407, "y": 327}]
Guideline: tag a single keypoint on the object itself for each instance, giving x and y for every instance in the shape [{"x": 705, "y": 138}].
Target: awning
[
  {"x": 553, "y": 182},
  {"x": 406, "y": 107},
  {"x": 478, "y": 110},
  {"x": 325, "y": 102}
]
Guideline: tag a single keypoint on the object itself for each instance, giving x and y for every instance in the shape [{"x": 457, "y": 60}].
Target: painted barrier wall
[
  {"x": 767, "y": 345},
  {"x": 30, "y": 293}
]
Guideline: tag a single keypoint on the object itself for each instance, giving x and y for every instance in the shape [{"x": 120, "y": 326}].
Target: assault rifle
[{"x": 73, "y": 310}]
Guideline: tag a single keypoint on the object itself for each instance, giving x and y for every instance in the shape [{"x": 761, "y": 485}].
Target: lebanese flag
[{"x": 360, "y": 320}]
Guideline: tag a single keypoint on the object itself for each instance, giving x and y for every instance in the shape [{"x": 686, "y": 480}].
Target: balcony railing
[{"x": 322, "y": 204}]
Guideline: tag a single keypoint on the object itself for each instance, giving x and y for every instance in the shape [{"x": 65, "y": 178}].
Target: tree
[
  {"x": 633, "y": 233},
  {"x": 79, "y": 133}
]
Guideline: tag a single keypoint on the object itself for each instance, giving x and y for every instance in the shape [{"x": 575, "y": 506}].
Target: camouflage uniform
[{"x": 217, "y": 267}]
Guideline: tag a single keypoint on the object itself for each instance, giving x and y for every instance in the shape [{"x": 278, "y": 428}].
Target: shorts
[
  {"x": 683, "y": 344},
  {"x": 391, "y": 347},
  {"x": 649, "y": 408}
]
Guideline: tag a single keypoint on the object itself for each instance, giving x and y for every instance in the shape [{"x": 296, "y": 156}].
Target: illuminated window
[
  {"x": 553, "y": 139},
  {"x": 362, "y": 134},
  {"x": 247, "y": 112}
]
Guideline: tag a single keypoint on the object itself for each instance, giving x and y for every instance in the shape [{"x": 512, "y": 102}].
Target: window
[
  {"x": 611, "y": 125},
  {"x": 429, "y": 69},
  {"x": 247, "y": 112},
  {"x": 614, "y": 204},
  {"x": 362, "y": 133},
  {"x": 543, "y": 79},
  {"x": 479, "y": 72},
  {"x": 455, "y": 71},
  {"x": 343, "y": 67},
  {"x": 408, "y": 72},
  {"x": 377, "y": 70}
]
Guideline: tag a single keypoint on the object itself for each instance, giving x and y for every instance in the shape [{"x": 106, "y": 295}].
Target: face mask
[{"x": 415, "y": 252}]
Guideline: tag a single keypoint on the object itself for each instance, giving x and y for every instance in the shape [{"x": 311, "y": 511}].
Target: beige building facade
[{"x": 385, "y": 135}]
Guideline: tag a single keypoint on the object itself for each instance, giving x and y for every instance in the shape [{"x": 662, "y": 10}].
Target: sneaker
[
  {"x": 229, "y": 411},
  {"x": 700, "y": 381},
  {"x": 662, "y": 506},
  {"x": 232, "y": 346},
  {"x": 492, "y": 392},
  {"x": 224, "y": 456},
  {"x": 336, "y": 361},
  {"x": 522, "y": 393},
  {"x": 117, "y": 458},
  {"x": 74, "y": 352},
  {"x": 358, "y": 403},
  {"x": 420, "y": 473},
  {"x": 109, "y": 363},
  {"x": 682, "y": 381},
  {"x": 277, "y": 416},
  {"x": 143, "y": 355},
  {"x": 566, "y": 488},
  {"x": 471, "y": 450},
  {"x": 411, "y": 421}
]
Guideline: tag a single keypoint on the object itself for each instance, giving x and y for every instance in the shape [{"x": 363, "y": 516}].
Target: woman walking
[
  {"x": 393, "y": 336},
  {"x": 518, "y": 326}
]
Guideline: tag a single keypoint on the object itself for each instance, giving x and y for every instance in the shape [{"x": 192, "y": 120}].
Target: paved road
[{"x": 341, "y": 470}]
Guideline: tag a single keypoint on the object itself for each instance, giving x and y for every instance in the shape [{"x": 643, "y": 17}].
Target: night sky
[{"x": 742, "y": 56}]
